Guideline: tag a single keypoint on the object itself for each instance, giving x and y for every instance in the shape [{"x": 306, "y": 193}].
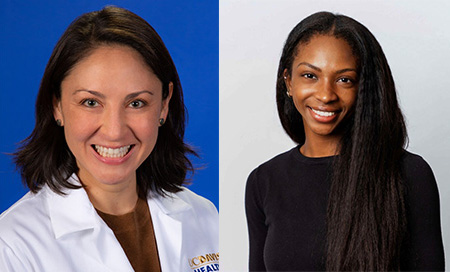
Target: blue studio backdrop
[{"x": 190, "y": 30}]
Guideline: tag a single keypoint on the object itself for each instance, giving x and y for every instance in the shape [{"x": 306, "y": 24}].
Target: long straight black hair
[{"x": 366, "y": 210}]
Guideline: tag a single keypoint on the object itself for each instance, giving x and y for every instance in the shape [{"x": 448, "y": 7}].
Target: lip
[
  {"x": 113, "y": 161},
  {"x": 323, "y": 119}
]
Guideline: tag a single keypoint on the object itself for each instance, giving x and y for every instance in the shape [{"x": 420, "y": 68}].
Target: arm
[
  {"x": 257, "y": 228},
  {"x": 423, "y": 250}
]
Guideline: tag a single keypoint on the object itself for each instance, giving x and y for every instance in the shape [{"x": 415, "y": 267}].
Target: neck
[
  {"x": 114, "y": 199},
  {"x": 320, "y": 146}
]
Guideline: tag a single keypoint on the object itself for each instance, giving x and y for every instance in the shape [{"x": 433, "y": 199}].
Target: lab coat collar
[
  {"x": 71, "y": 212},
  {"x": 170, "y": 204},
  {"x": 74, "y": 212}
]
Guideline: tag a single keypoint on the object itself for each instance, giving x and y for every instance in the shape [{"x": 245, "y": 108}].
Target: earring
[
  {"x": 58, "y": 122},
  {"x": 161, "y": 121},
  {"x": 287, "y": 91}
]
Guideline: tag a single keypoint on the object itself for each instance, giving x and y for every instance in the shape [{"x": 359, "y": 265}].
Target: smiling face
[
  {"x": 323, "y": 85},
  {"x": 110, "y": 107}
]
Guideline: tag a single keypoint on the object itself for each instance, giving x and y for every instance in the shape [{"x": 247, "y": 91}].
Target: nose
[
  {"x": 326, "y": 92},
  {"x": 113, "y": 123}
]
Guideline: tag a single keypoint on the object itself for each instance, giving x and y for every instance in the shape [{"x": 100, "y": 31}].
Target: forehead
[
  {"x": 325, "y": 50},
  {"x": 112, "y": 68},
  {"x": 112, "y": 53}
]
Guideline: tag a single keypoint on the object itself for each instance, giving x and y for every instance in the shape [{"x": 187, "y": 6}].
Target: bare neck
[
  {"x": 320, "y": 146},
  {"x": 115, "y": 199}
]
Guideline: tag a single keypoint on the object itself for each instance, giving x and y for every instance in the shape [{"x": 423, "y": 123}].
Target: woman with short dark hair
[
  {"x": 106, "y": 161},
  {"x": 349, "y": 196}
]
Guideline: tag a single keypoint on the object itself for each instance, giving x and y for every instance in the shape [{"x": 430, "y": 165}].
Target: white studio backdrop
[{"x": 416, "y": 40}]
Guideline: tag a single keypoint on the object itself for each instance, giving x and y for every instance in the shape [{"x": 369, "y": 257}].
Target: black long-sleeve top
[{"x": 286, "y": 205}]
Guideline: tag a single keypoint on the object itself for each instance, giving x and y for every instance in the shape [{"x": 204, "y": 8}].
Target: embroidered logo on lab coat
[{"x": 205, "y": 263}]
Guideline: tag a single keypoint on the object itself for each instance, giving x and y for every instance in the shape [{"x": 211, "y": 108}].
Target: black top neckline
[{"x": 295, "y": 152}]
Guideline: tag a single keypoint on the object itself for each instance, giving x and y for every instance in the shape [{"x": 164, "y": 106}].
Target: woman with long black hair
[{"x": 349, "y": 196}]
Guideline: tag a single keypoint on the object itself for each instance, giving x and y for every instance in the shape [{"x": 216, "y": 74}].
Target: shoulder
[
  {"x": 197, "y": 202},
  {"x": 184, "y": 204},
  {"x": 30, "y": 210},
  {"x": 415, "y": 163},
  {"x": 271, "y": 176},
  {"x": 274, "y": 166},
  {"x": 416, "y": 171},
  {"x": 24, "y": 224},
  {"x": 278, "y": 162},
  {"x": 419, "y": 181},
  {"x": 198, "y": 215}
]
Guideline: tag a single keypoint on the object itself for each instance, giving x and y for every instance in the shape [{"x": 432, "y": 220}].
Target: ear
[
  {"x": 165, "y": 103},
  {"x": 287, "y": 82},
  {"x": 57, "y": 111}
]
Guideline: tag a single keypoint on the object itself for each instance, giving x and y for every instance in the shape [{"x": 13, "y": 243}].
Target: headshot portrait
[
  {"x": 341, "y": 163},
  {"x": 99, "y": 168}
]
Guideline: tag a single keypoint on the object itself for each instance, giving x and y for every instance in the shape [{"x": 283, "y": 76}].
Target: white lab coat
[{"x": 49, "y": 232}]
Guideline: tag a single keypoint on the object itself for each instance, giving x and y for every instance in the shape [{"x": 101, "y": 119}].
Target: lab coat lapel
[
  {"x": 167, "y": 217},
  {"x": 70, "y": 213},
  {"x": 109, "y": 250},
  {"x": 75, "y": 221}
]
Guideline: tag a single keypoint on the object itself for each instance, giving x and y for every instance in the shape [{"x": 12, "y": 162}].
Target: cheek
[
  {"x": 79, "y": 126},
  {"x": 77, "y": 134},
  {"x": 299, "y": 97},
  {"x": 350, "y": 98},
  {"x": 146, "y": 127},
  {"x": 146, "y": 131},
  {"x": 147, "y": 135},
  {"x": 298, "y": 105}
]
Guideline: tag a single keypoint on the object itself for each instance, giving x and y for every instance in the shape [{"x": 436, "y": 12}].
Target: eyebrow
[
  {"x": 136, "y": 94},
  {"x": 320, "y": 70},
  {"x": 98, "y": 94},
  {"x": 310, "y": 66}
]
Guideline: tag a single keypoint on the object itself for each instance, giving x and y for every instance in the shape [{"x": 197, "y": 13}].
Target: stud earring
[
  {"x": 161, "y": 121},
  {"x": 58, "y": 122},
  {"x": 287, "y": 91}
]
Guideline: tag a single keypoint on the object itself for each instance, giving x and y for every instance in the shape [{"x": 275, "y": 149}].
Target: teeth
[
  {"x": 323, "y": 113},
  {"x": 112, "y": 152}
]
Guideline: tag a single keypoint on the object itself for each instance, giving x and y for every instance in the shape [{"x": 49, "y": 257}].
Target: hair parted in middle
[
  {"x": 365, "y": 228},
  {"x": 44, "y": 157}
]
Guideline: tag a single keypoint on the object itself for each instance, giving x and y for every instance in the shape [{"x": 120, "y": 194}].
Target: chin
[
  {"x": 324, "y": 131},
  {"x": 112, "y": 178}
]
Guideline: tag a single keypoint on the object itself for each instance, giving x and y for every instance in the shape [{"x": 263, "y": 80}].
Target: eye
[
  {"x": 309, "y": 76},
  {"x": 91, "y": 103},
  {"x": 137, "y": 104},
  {"x": 346, "y": 80}
]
